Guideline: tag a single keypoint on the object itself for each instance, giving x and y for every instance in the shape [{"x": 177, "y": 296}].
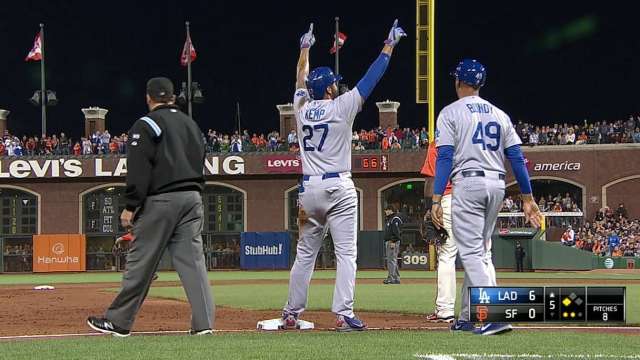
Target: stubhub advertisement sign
[{"x": 264, "y": 250}]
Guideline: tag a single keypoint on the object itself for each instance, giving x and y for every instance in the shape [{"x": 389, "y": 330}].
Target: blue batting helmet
[
  {"x": 470, "y": 72},
  {"x": 319, "y": 79}
]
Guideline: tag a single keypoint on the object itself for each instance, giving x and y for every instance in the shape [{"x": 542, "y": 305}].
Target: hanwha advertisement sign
[{"x": 59, "y": 252}]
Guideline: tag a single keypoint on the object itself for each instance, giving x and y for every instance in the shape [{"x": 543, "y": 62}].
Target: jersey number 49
[{"x": 487, "y": 135}]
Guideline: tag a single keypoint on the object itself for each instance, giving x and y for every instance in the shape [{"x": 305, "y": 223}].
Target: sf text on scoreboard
[{"x": 539, "y": 304}]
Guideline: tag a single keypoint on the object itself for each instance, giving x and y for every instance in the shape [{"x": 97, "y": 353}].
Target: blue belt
[
  {"x": 324, "y": 176},
  {"x": 478, "y": 173}
]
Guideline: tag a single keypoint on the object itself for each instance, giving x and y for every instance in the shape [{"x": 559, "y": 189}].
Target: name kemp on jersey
[{"x": 315, "y": 113}]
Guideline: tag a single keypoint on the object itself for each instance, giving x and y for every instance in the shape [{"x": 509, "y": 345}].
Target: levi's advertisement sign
[
  {"x": 289, "y": 164},
  {"x": 264, "y": 250},
  {"x": 64, "y": 167},
  {"x": 59, "y": 252}
]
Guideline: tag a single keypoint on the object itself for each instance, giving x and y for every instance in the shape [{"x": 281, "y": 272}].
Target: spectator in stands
[
  {"x": 507, "y": 204},
  {"x": 628, "y": 250},
  {"x": 64, "y": 144},
  {"x": 113, "y": 146},
  {"x": 614, "y": 239},
  {"x": 568, "y": 237},
  {"x": 616, "y": 252},
  {"x": 621, "y": 212},
  {"x": 30, "y": 146},
  {"x": 292, "y": 138},
  {"x": 542, "y": 204},
  {"x": 582, "y": 138},
  {"x": 571, "y": 137},
  {"x": 534, "y": 137},
  {"x": 273, "y": 141},
  {"x": 17, "y": 148},
  {"x": 236, "y": 145},
  {"x": 77, "y": 149},
  {"x": 87, "y": 147}
]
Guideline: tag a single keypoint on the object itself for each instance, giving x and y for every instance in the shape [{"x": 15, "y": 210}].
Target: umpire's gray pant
[
  {"x": 392, "y": 249},
  {"x": 173, "y": 221},
  {"x": 476, "y": 202}
]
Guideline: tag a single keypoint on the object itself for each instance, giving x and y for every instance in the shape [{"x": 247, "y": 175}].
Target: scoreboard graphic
[{"x": 552, "y": 304}]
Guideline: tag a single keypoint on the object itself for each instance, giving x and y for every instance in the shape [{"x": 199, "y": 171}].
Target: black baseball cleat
[
  {"x": 155, "y": 277},
  {"x": 106, "y": 327},
  {"x": 201, "y": 332}
]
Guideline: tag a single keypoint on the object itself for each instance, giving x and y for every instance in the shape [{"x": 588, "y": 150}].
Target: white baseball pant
[
  {"x": 446, "y": 293},
  {"x": 330, "y": 202}
]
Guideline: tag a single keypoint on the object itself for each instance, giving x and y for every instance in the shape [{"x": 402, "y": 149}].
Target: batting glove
[
  {"x": 307, "y": 40},
  {"x": 395, "y": 34}
]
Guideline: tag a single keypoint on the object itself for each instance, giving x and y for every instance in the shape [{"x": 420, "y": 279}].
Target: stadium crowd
[
  {"x": 546, "y": 203},
  {"x": 600, "y": 132},
  {"x": 611, "y": 233},
  {"x": 97, "y": 143}
]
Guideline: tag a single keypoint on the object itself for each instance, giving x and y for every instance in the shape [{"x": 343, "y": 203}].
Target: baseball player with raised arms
[
  {"x": 327, "y": 194},
  {"x": 473, "y": 137}
]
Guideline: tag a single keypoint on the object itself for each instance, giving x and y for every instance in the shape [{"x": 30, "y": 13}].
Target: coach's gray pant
[
  {"x": 476, "y": 202},
  {"x": 331, "y": 203},
  {"x": 173, "y": 221},
  {"x": 392, "y": 249}
]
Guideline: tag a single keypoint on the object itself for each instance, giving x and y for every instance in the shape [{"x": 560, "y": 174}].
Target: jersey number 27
[
  {"x": 487, "y": 135},
  {"x": 309, "y": 135}
]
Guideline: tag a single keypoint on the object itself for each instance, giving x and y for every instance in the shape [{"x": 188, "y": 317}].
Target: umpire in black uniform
[
  {"x": 520, "y": 254},
  {"x": 164, "y": 210},
  {"x": 392, "y": 238}
]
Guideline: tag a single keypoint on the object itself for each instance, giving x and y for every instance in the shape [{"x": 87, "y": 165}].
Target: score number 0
[{"x": 511, "y": 313}]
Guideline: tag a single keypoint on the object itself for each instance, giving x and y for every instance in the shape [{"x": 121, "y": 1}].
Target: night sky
[{"x": 547, "y": 61}]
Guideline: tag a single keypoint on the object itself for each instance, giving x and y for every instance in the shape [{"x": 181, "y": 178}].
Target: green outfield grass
[
  {"x": 31, "y": 279},
  {"x": 405, "y": 298},
  {"x": 409, "y": 298},
  {"x": 322, "y": 345}
]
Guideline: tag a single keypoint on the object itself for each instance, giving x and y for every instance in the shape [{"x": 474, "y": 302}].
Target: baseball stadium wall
[{"x": 257, "y": 192}]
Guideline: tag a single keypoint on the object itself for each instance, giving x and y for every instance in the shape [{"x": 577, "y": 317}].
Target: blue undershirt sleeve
[
  {"x": 444, "y": 165},
  {"x": 516, "y": 159},
  {"x": 370, "y": 79}
]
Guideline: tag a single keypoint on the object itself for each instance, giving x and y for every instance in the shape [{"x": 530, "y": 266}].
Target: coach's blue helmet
[
  {"x": 470, "y": 72},
  {"x": 319, "y": 79}
]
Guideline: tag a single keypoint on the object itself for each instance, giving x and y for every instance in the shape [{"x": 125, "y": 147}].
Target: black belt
[{"x": 478, "y": 173}]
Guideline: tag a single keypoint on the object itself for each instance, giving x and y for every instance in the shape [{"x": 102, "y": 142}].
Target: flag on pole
[
  {"x": 341, "y": 39},
  {"x": 187, "y": 50},
  {"x": 36, "y": 51}
]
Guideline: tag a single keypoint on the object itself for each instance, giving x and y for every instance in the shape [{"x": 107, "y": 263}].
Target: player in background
[
  {"x": 473, "y": 138},
  {"x": 447, "y": 251},
  {"x": 327, "y": 194}
]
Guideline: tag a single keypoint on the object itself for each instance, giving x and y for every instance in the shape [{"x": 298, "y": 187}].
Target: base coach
[{"x": 164, "y": 211}]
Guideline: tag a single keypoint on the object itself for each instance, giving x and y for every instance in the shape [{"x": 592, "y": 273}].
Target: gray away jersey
[
  {"x": 324, "y": 131},
  {"x": 478, "y": 131}
]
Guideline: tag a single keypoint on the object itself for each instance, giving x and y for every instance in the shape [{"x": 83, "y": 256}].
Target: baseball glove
[
  {"x": 122, "y": 244},
  {"x": 432, "y": 233}
]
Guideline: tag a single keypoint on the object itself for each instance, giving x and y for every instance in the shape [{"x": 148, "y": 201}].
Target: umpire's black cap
[{"x": 160, "y": 88}]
